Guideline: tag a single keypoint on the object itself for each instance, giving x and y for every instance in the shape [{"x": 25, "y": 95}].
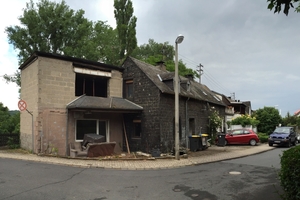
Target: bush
[
  {"x": 263, "y": 137},
  {"x": 289, "y": 173}
]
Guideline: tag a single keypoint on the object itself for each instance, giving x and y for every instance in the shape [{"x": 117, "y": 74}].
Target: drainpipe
[
  {"x": 186, "y": 123},
  {"x": 67, "y": 130}
]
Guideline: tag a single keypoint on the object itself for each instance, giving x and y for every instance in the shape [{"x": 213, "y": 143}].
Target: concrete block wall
[
  {"x": 115, "y": 84},
  {"x": 29, "y": 93},
  {"x": 56, "y": 80}
]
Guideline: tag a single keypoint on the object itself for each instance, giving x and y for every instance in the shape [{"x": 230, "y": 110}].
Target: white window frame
[{"x": 97, "y": 128}]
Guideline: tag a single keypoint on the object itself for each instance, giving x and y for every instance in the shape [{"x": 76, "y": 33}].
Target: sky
[{"x": 247, "y": 51}]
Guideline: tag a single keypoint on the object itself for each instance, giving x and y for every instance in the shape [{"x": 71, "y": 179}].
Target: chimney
[{"x": 161, "y": 65}]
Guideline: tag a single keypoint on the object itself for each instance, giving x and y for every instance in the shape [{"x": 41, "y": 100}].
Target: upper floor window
[
  {"x": 129, "y": 88},
  {"x": 90, "y": 85}
]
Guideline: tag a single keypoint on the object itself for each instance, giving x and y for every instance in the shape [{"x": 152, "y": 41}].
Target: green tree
[
  {"x": 268, "y": 118},
  {"x": 244, "y": 120},
  {"x": 126, "y": 24},
  {"x": 291, "y": 120},
  {"x": 9, "y": 123},
  {"x": 154, "y": 52},
  {"x": 286, "y": 4},
  {"x": 55, "y": 28}
]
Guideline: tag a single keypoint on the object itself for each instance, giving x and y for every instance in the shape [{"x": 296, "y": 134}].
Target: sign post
[{"x": 23, "y": 106}]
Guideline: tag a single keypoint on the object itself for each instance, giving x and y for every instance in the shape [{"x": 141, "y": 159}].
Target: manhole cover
[{"x": 235, "y": 173}]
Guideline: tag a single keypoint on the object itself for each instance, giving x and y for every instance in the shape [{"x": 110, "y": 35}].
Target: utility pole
[{"x": 200, "y": 70}]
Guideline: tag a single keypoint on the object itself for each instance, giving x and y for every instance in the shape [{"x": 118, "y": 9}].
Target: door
[{"x": 235, "y": 137}]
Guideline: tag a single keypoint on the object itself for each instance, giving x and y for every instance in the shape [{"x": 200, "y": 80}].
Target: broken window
[{"x": 90, "y": 85}]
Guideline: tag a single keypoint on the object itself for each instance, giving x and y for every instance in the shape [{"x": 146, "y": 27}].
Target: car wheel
[
  {"x": 252, "y": 142},
  {"x": 225, "y": 143},
  {"x": 270, "y": 144},
  {"x": 294, "y": 143},
  {"x": 289, "y": 144}
]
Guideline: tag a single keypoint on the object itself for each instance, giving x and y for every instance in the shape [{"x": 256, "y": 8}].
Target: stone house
[
  {"x": 67, "y": 97},
  {"x": 151, "y": 87}
]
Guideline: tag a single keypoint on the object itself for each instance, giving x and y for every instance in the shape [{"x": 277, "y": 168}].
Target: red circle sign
[{"x": 22, "y": 105}]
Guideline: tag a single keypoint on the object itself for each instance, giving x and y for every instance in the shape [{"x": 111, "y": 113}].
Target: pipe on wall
[{"x": 186, "y": 123}]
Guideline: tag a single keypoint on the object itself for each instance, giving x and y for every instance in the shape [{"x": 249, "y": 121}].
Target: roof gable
[{"x": 159, "y": 77}]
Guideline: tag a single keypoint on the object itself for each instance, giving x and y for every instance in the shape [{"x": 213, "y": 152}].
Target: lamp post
[{"x": 178, "y": 40}]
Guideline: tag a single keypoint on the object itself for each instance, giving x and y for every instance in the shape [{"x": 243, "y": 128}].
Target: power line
[{"x": 207, "y": 75}]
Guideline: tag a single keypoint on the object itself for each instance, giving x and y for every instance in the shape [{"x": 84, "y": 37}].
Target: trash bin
[
  {"x": 221, "y": 140},
  {"x": 195, "y": 142},
  {"x": 204, "y": 141}
]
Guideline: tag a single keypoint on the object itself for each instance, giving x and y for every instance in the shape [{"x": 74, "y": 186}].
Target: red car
[{"x": 241, "y": 136}]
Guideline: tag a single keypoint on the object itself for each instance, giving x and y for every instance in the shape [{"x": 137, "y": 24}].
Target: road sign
[{"x": 22, "y": 105}]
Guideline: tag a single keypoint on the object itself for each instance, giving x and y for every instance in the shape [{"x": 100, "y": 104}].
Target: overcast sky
[{"x": 246, "y": 50}]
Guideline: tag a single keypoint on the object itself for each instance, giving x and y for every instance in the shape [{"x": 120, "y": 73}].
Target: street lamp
[{"x": 178, "y": 40}]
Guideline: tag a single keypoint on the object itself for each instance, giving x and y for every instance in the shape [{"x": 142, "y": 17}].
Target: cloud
[{"x": 245, "y": 48}]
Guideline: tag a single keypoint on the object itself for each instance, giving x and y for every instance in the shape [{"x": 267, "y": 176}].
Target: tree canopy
[
  {"x": 9, "y": 123},
  {"x": 56, "y": 28},
  {"x": 126, "y": 24},
  {"x": 268, "y": 118},
  {"x": 154, "y": 52},
  {"x": 277, "y": 5}
]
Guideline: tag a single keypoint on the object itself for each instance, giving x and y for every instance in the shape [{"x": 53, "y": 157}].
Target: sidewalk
[{"x": 212, "y": 154}]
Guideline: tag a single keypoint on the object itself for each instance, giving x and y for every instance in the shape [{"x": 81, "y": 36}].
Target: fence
[{"x": 4, "y": 138}]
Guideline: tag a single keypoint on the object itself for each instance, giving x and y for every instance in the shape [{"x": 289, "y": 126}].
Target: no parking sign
[{"x": 22, "y": 105}]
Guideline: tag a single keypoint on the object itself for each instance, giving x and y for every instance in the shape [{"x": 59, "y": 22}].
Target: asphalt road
[{"x": 254, "y": 177}]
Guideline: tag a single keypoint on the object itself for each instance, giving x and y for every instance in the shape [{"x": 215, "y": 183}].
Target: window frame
[
  {"x": 97, "y": 128},
  {"x": 134, "y": 135},
  {"x": 129, "y": 88}
]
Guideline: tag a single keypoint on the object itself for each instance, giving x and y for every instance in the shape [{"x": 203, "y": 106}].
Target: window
[
  {"x": 129, "y": 88},
  {"x": 99, "y": 127},
  {"x": 237, "y": 132},
  {"x": 90, "y": 85},
  {"x": 137, "y": 129}
]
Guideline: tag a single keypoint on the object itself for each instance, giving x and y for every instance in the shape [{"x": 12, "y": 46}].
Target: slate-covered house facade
[
  {"x": 67, "y": 97},
  {"x": 151, "y": 87}
]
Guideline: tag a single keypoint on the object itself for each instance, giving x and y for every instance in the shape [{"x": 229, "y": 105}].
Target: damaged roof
[
  {"x": 102, "y": 103},
  {"x": 196, "y": 90}
]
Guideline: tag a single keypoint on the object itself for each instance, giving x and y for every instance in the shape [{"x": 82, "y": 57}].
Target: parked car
[
  {"x": 241, "y": 136},
  {"x": 284, "y": 136}
]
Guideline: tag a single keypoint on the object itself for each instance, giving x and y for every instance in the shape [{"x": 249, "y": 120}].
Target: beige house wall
[
  {"x": 48, "y": 85},
  {"x": 29, "y": 93}
]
